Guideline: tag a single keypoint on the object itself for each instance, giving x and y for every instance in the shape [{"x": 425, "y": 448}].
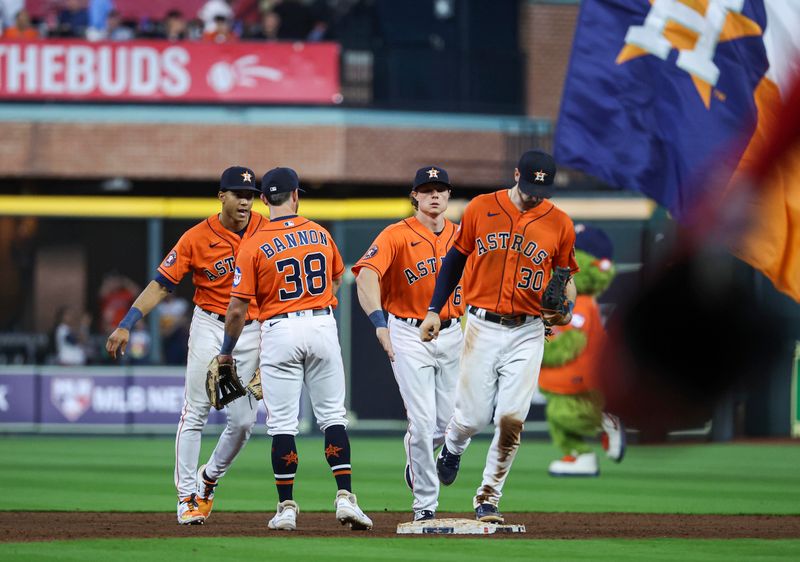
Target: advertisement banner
[
  {"x": 170, "y": 72},
  {"x": 17, "y": 396}
]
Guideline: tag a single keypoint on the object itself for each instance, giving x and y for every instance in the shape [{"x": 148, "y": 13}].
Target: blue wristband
[
  {"x": 228, "y": 343},
  {"x": 130, "y": 320},
  {"x": 378, "y": 319},
  {"x": 571, "y": 305}
]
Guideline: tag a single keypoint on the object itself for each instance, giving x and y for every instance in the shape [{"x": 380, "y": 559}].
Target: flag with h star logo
[{"x": 664, "y": 96}]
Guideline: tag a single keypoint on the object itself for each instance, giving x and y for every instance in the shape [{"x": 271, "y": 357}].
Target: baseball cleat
[
  {"x": 205, "y": 492},
  {"x": 447, "y": 465},
  {"x": 347, "y": 511},
  {"x": 407, "y": 475},
  {"x": 575, "y": 465},
  {"x": 613, "y": 438},
  {"x": 488, "y": 513},
  {"x": 424, "y": 515},
  {"x": 188, "y": 512},
  {"x": 286, "y": 517}
]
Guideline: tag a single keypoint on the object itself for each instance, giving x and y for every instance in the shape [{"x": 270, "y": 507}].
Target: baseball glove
[
  {"x": 254, "y": 386},
  {"x": 554, "y": 298},
  {"x": 222, "y": 383}
]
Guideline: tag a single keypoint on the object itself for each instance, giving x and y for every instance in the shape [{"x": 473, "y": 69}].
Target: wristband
[
  {"x": 228, "y": 343},
  {"x": 131, "y": 318},
  {"x": 378, "y": 319},
  {"x": 570, "y": 305}
]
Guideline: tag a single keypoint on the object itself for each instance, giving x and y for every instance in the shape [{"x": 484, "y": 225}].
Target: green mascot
[{"x": 568, "y": 379}]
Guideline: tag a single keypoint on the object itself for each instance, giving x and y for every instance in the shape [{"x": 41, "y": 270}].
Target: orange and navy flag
[{"x": 666, "y": 97}]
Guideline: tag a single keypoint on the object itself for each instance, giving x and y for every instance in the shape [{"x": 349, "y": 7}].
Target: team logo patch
[
  {"x": 171, "y": 259},
  {"x": 370, "y": 253},
  {"x": 237, "y": 277}
]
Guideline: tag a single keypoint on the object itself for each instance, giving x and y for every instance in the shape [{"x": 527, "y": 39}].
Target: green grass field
[{"x": 98, "y": 474}]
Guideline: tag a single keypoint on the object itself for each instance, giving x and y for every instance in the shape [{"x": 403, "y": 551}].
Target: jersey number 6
[{"x": 309, "y": 277}]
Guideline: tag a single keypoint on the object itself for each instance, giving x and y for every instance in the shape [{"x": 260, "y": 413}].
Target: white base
[{"x": 456, "y": 527}]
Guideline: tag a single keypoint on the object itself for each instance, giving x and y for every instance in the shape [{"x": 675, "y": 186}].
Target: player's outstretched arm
[
  {"x": 235, "y": 317},
  {"x": 449, "y": 275},
  {"x": 153, "y": 294},
  {"x": 368, "y": 287}
]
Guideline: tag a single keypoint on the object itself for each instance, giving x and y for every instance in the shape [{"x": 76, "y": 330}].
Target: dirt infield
[{"x": 46, "y": 526}]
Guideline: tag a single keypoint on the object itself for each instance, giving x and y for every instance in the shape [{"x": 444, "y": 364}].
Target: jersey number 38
[{"x": 306, "y": 277}]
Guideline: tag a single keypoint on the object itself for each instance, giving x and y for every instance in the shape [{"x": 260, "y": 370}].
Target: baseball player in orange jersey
[
  {"x": 292, "y": 269},
  {"x": 397, "y": 274},
  {"x": 515, "y": 238},
  {"x": 207, "y": 251}
]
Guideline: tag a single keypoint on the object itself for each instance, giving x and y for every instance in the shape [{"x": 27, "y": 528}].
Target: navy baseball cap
[
  {"x": 537, "y": 170},
  {"x": 238, "y": 178},
  {"x": 280, "y": 180},
  {"x": 431, "y": 174},
  {"x": 593, "y": 241}
]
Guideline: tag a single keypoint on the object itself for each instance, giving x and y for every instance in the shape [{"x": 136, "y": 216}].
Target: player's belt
[
  {"x": 516, "y": 320},
  {"x": 302, "y": 313},
  {"x": 417, "y": 323},
  {"x": 221, "y": 317}
]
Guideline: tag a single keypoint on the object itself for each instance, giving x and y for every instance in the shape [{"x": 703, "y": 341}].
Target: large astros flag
[{"x": 663, "y": 96}]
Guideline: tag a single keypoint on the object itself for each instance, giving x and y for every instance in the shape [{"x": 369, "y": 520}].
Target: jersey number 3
[{"x": 309, "y": 277}]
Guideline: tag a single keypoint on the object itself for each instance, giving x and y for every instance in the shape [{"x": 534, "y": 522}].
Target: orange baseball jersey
[
  {"x": 209, "y": 250},
  {"x": 578, "y": 376},
  {"x": 407, "y": 257},
  {"x": 513, "y": 253},
  {"x": 288, "y": 265}
]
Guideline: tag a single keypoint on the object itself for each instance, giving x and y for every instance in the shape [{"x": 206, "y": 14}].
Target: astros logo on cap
[
  {"x": 247, "y": 177},
  {"x": 540, "y": 175},
  {"x": 433, "y": 173}
]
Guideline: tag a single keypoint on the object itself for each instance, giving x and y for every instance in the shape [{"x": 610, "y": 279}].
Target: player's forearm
[
  {"x": 337, "y": 283},
  {"x": 235, "y": 317},
  {"x": 153, "y": 294},
  {"x": 368, "y": 289},
  {"x": 449, "y": 275}
]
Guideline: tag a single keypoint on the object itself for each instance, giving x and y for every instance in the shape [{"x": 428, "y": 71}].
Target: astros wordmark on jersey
[
  {"x": 514, "y": 253},
  {"x": 407, "y": 258},
  {"x": 209, "y": 250}
]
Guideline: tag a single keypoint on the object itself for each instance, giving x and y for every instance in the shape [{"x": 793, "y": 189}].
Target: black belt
[
  {"x": 299, "y": 313},
  {"x": 417, "y": 323},
  {"x": 221, "y": 317},
  {"x": 516, "y": 320}
]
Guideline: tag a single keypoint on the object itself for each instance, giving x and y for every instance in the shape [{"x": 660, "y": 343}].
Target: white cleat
[
  {"x": 347, "y": 511},
  {"x": 575, "y": 465},
  {"x": 286, "y": 517},
  {"x": 613, "y": 438}
]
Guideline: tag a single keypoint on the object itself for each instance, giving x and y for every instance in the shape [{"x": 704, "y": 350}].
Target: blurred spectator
[
  {"x": 99, "y": 12},
  {"x": 117, "y": 294},
  {"x": 267, "y": 30},
  {"x": 173, "y": 314},
  {"x": 320, "y": 18},
  {"x": 138, "y": 350},
  {"x": 296, "y": 20},
  {"x": 213, "y": 9},
  {"x": 194, "y": 29},
  {"x": 70, "y": 336},
  {"x": 73, "y": 19},
  {"x": 222, "y": 31},
  {"x": 175, "y": 28},
  {"x": 8, "y": 12},
  {"x": 116, "y": 29},
  {"x": 22, "y": 28}
]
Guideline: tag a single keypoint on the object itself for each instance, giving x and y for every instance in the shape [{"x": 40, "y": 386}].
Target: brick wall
[
  {"x": 546, "y": 32},
  {"x": 199, "y": 152}
]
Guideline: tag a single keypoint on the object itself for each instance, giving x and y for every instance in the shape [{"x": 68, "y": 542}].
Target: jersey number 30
[{"x": 309, "y": 277}]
